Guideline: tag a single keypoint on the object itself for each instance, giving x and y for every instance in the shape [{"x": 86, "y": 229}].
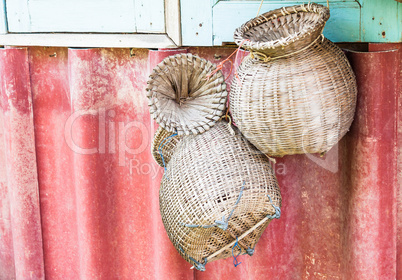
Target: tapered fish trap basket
[
  {"x": 217, "y": 187},
  {"x": 163, "y": 145},
  {"x": 296, "y": 91},
  {"x": 181, "y": 98}
]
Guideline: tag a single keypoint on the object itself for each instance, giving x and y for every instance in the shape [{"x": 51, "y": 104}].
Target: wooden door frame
[{"x": 171, "y": 38}]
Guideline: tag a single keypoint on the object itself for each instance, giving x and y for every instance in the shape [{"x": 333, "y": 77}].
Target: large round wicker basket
[
  {"x": 217, "y": 188},
  {"x": 296, "y": 91}
]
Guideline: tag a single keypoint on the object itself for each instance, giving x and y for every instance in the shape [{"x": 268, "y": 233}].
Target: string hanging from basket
[
  {"x": 250, "y": 251},
  {"x": 198, "y": 265},
  {"x": 162, "y": 144},
  {"x": 235, "y": 261},
  {"x": 259, "y": 8},
  {"x": 256, "y": 55},
  {"x": 220, "y": 65},
  {"x": 223, "y": 223},
  {"x": 276, "y": 215}
]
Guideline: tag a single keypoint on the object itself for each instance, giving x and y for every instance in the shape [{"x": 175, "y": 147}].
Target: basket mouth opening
[
  {"x": 182, "y": 99},
  {"x": 265, "y": 33},
  {"x": 186, "y": 85},
  {"x": 183, "y": 90},
  {"x": 281, "y": 27}
]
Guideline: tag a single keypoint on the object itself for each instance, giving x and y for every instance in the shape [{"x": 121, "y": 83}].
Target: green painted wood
[
  {"x": 3, "y": 18},
  {"x": 85, "y": 16},
  {"x": 196, "y": 22},
  {"x": 343, "y": 25},
  {"x": 381, "y": 21}
]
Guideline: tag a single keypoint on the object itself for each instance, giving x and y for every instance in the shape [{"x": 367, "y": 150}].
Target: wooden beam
[
  {"x": 3, "y": 17},
  {"x": 88, "y": 40},
  {"x": 173, "y": 20}
]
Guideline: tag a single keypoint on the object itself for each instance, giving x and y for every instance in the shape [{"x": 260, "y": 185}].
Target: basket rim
[{"x": 240, "y": 32}]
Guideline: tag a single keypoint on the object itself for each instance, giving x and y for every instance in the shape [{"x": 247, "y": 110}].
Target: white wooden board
[{"x": 106, "y": 16}]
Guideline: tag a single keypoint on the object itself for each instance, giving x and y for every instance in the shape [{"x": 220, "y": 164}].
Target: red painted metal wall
[{"x": 79, "y": 188}]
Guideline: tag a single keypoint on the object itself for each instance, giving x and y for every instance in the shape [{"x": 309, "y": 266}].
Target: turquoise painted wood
[
  {"x": 85, "y": 16},
  {"x": 381, "y": 21},
  {"x": 343, "y": 25},
  {"x": 3, "y": 19},
  {"x": 350, "y": 21},
  {"x": 196, "y": 22}
]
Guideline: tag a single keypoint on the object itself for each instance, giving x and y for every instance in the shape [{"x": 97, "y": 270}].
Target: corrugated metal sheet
[{"x": 79, "y": 188}]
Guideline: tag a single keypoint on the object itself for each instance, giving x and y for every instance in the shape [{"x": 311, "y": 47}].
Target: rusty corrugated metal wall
[{"x": 79, "y": 188}]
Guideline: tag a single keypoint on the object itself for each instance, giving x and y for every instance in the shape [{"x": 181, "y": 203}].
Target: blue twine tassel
[
  {"x": 167, "y": 139},
  {"x": 250, "y": 251},
  {"x": 277, "y": 213},
  {"x": 235, "y": 261},
  {"x": 199, "y": 266}
]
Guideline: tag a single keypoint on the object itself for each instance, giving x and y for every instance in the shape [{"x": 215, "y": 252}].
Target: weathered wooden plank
[
  {"x": 3, "y": 17},
  {"x": 17, "y": 15},
  {"x": 71, "y": 16},
  {"x": 196, "y": 22},
  {"x": 89, "y": 40},
  {"x": 381, "y": 21},
  {"x": 172, "y": 20},
  {"x": 343, "y": 25},
  {"x": 150, "y": 15}
]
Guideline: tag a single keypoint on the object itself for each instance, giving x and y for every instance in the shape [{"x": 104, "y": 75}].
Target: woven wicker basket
[
  {"x": 181, "y": 98},
  {"x": 164, "y": 143},
  {"x": 296, "y": 91},
  {"x": 225, "y": 194}
]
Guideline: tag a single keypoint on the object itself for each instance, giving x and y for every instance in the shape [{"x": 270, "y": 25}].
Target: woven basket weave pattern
[
  {"x": 181, "y": 99},
  {"x": 202, "y": 183},
  {"x": 167, "y": 146},
  {"x": 301, "y": 103}
]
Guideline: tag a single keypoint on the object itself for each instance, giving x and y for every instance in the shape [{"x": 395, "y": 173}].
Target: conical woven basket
[
  {"x": 296, "y": 91},
  {"x": 163, "y": 146},
  {"x": 225, "y": 194},
  {"x": 181, "y": 98}
]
